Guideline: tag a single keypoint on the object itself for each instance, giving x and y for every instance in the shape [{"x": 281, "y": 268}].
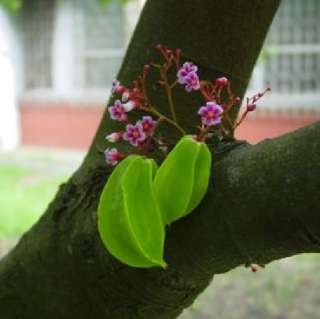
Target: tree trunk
[{"x": 262, "y": 204}]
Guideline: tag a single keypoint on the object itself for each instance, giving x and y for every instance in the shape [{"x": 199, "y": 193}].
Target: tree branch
[
  {"x": 263, "y": 205},
  {"x": 60, "y": 269}
]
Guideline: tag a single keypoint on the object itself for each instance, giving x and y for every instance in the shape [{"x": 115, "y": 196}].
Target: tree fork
[{"x": 60, "y": 269}]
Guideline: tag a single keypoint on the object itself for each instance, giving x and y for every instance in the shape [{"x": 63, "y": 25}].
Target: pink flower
[
  {"x": 113, "y": 156},
  {"x": 185, "y": 70},
  {"x": 118, "y": 111},
  {"x": 116, "y": 87},
  {"x": 192, "y": 82},
  {"x": 134, "y": 134},
  {"x": 130, "y": 105},
  {"x": 113, "y": 137},
  {"x": 210, "y": 114},
  {"x": 148, "y": 124}
]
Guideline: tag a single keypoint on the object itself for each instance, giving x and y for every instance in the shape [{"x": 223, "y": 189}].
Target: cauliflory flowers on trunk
[{"x": 140, "y": 198}]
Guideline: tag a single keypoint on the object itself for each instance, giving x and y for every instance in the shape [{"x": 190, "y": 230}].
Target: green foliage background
[
  {"x": 11, "y": 5},
  {"x": 14, "y": 5}
]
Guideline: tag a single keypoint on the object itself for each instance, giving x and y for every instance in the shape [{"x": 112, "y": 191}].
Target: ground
[{"x": 288, "y": 289}]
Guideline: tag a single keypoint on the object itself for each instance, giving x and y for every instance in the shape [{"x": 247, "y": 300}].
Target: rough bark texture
[
  {"x": 263, "y": 201},
  {"x": 263, "y": 204}
]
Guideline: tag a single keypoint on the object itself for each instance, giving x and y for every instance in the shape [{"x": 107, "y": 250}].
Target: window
[
  {"x": 73, "y": 49},
  {"x": 101, "y": 38},
  {"x": 290, "y": 62},
  {"x": 37, "y": 26}
]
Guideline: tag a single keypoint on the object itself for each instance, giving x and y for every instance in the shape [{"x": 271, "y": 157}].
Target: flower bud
[
  {"x": 113, "y": 137},
  {"x": 251, "y": 107},
  {"x": 113, "y": 156},
  {"x": 222, "y": 81},
  {"x": 117, "y": 87},
  {"x": 125, "y": 96},
  {"x": 237, "y": 100},
  {"x": 146, "y": 68},
  {"x": 129, "y": 106}
]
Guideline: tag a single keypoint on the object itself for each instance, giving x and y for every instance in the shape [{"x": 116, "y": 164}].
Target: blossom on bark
[
  {"x": 129, "y": 106},
  {"x": 211, "y": 114},
  {"x": 185, "y": 70},
  {"x": 148, "y": 124},
  {"x": 114, "y": 137},
  {"x": 118, "y": 111},
  {"x": 113, "y": 156},
  {"x": 134, "y": 134},
  {"x": 125, "y": 96},
  {"x": 192, "y": 82},
  {"x": 116, "y": 87},
  {"x": 222, "y": 81},
  {"x": 188, "y": 76}
]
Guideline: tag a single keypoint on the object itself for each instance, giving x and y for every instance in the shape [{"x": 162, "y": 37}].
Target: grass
[{"x": 25, "y": 193}]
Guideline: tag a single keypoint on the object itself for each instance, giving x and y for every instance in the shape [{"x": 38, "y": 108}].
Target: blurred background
[{"x": 57, "y": 61}]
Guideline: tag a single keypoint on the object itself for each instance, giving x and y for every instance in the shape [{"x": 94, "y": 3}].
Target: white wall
[
  {"x": 9, "y": 119},
  {"x": 63, "y": 49}
]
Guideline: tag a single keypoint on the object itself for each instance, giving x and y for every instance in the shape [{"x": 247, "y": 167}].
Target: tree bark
[{"x": 262, "y": 204}]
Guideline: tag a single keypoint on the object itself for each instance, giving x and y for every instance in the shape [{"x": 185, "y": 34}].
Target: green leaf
[
  {"x": 129, "y": 220},
  {"x": 202, "y": 172},
  {"x": 182, "y": 180}
]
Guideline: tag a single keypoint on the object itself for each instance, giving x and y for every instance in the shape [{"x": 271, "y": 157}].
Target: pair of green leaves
[{"x": 139, "y": 199}]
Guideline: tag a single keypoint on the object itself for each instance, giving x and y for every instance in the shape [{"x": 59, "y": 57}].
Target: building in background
[
  {"x": 9, "y": 117},
  {"x": 290, "y": 65},
  {"x": 72, "y": 51},
  {"x": 66, "y": 53}
]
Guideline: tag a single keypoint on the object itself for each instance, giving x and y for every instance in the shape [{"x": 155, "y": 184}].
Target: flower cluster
[
  {"x": 135, "y": 133},
  {"x": 188, "y": 76},
  {"x": 214, "y": 113}
]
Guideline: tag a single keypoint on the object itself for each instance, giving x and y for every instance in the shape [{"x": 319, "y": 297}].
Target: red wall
[
  {"x": 74, "y": 126},
  {"x": 268, "y": 125},
  {"x": 61, "y": 125}
]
